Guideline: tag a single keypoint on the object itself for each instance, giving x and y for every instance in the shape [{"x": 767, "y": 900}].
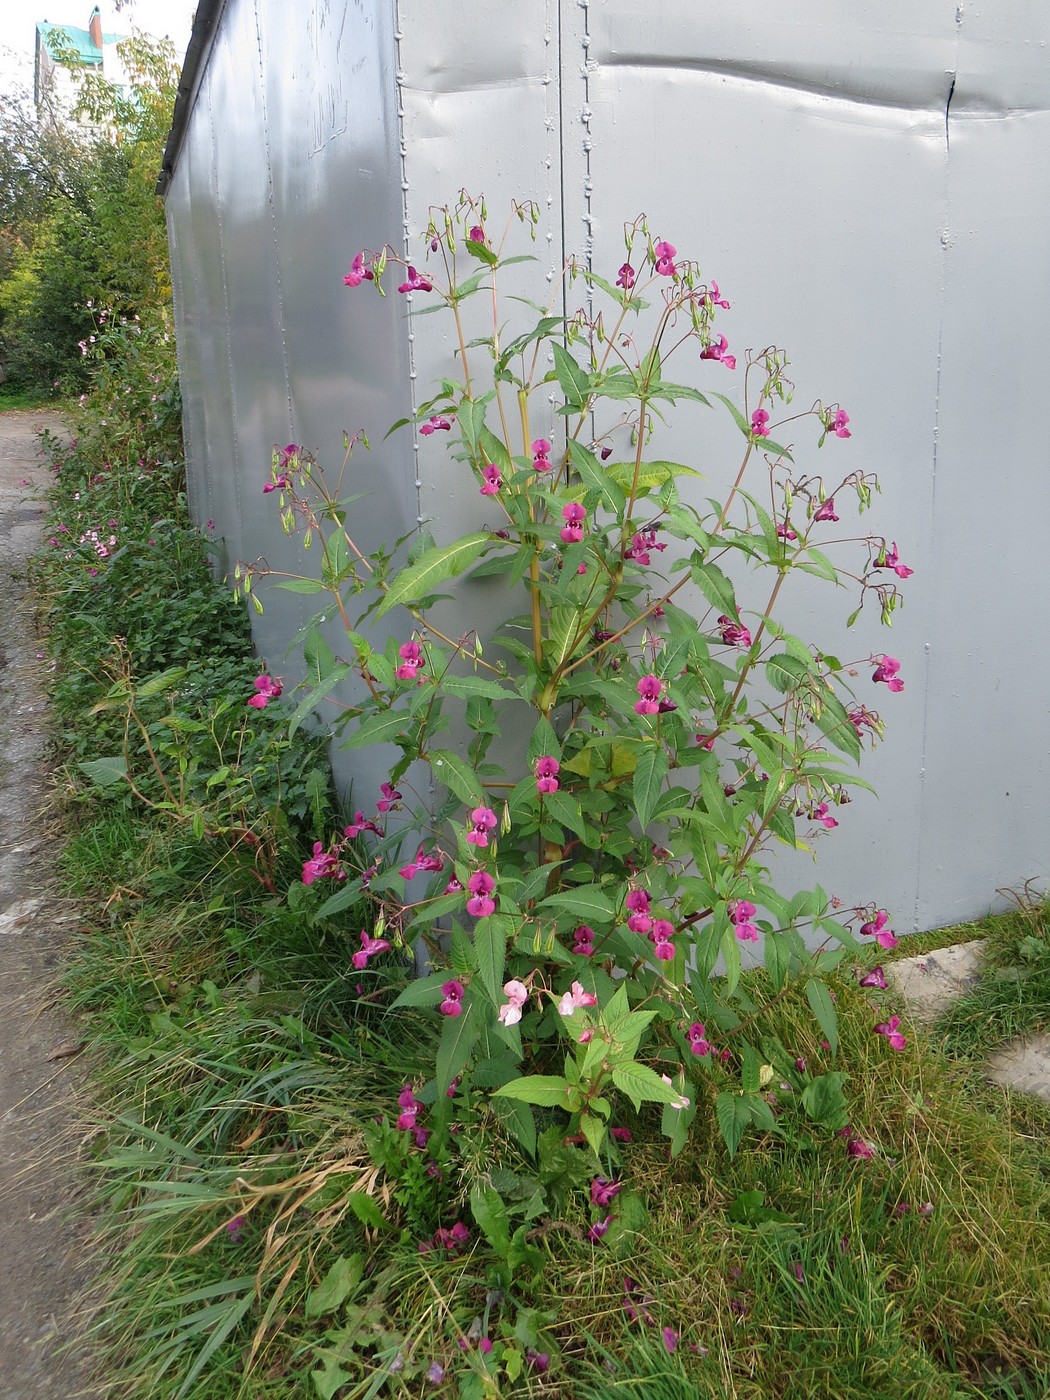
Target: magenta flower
[
  {"x": 574, "y": 515},
  {"x": 406, "y": 1120},
  {"x": 622, "y": 1134},
  {"x": 453, "y": 993},
  {"x": 369, "y": 948},
  {"x": 547, "y": 775},
  {"x": 650, "y": 688},
  {"x": 826, "y": 511},
  {"x": 541, "y": 450},
  {"x": 742, "y": 912},
  {"x": 663, "y": 256},
  {"x": 670, "y": 1337},
  {"x": 718, "y": 350},
  {"x": 517, "y": 995},
  {"x": 641, "y": 544},
  {"x": 625, "y": 277},
  {"x": 412, "y": 662},
  {"x": 574, "y": 998},
  {"x": 415, "y": 282},
  {"x": 288, "y": 456},
  {"x": 235, "y": 1228},
  {"x": 862, "y": 719},
  {"x": 435, "y": 1373},
  {"x": 875, "y": 978},
  {"x": 638, "y": 903},
  {"x": 660, "y": 936},
  {"x": 759, "y": 423},
  {"x": 483, "y": 820},
  {"x": 359, "y": 824},
  {"x": 320, "y": 865},
  {"x": 734, "y": 634},
  {"x": 697, "y": 1037},
  {"x": 598, "y": 1229},
  {"x": 584, "y": 945},
  {"x": 886, "y": 670},
  {"x": 476, "y": 234},
  {"x": 876, "y": 928},
  {"x": 837, "y": 424},
  {"x": 390, "y": 797},
  {"x": 431, "y": 862},
  {"x": 267, "y": 688},
  {"x": 857, "y": 1147},
  {"x": 892, "y": 1034},
  {"x": 481, "y": 904},
  {"x": 604, "y": 1191},
  {"x": 820, "y": 814},
  {"x": 435, "y": 424},
  {"x": 715, "y": 297},
  {"x": 890, "y": 559},
  {"x": 785, "y": 532},
  {"x": 493, "y": 480},
  {"x": 358, "y": 272}
]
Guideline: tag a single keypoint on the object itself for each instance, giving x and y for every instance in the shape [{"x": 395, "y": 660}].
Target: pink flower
[
  {"x": 650, "y": 688},
  {"x": 517, "y": 995},
  {"x": 434, "y": 424},
  {"x": 476, "y": 234},
  {"x": 641, "y": 544},
  {"x": 663, "y": 256},
  {"x": 742, "y": 912},
  {"x": 715, "y": 297},
  {"x": 320, "y": 865},
  {"x": 892, "y": 1034},
  {"x": 717, "y": 350},
  {"x": 492, "y": 478},
  {"x": 886, "y": 670},
  {"x": 622, "y": 1134},
  {"x": 390, "y": 797},
  {"x": 598, "y": 1229},
  {"x": 857, "y": 1147},
  {"x": 412, "y": 662},
  {"x": 876, "y": 928},
  {"x": 785, "y": 532},
  {"x": 541, "y": 449},
  {"x": 415, "y": 282},
  {"x": 604, "y": 1191},
  {"x": 837, "y": 424},
  {"x": 358, "y": 272},
  {"x": 483, "y": 820},
  {"x": 288, "y": 456},
  {"x": 890, "y": 559},
  {"x": 734, "y": 634},
  {"x": 576, "y": 997},
  {"x": 680, "y": 1101},
  {"x": 820, "y": 814},
  {"x": 453, "y": 993},
  {"x": 267, "y": 688},
  {"x": 625, "y": 277},
  {"x": 660, "y": 936},
  {"x": 670, "y": 1337},
  {"x": 759, "y": 423},
  {"x": 421, "y": 862},
  {"x": 409, "y": 1109},
  {"x": 875, "y": 978},
  {"x": 369, "y": 948},
  {"x": 697, "y": 1037},
  {"x": 827, "y": 510},
  {"x": 359, "y": 824},
  {"x": 547, "y": 775},
  {"x": 638, "y": 903},
  {"x": 574, "y": 515},
  {"x": 584, "y": 945},
  {"x": 862, "y": 719},
  {"x": 481, "y": 904}
]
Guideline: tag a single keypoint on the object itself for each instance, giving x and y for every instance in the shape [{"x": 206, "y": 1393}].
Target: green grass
[{"x": 19, "y": 399}]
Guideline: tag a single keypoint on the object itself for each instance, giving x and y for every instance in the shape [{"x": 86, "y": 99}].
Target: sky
[{"x": 173, "y": 18}]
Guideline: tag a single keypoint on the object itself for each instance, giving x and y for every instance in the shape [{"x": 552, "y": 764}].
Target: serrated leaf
[
  {"x": 490, "y": 1212},
  {"x": 715, "y": 586},
  {"x": 337, "y": 1285},
  {"x": 642, "y": 1084},
  {"x": 421, "y": 991},
  {"x": 301, "y": 585},
  {"x": 594, "y": 477},
  {"x": 650, "y": 474},
  {"x": 490, "y": 948},
  {"x": 314, "y": 698},
  {"x": 544, "y": 742},
  {"x": 437, "y": 565},
  {"x": 733, "y": 1116},
  {"x": 836, "y": 725},
  {"x": 575, "y": 382},
  {"x": 105, "y": 772},
  {"x": 377, "y": 729},
  {"x": 823, "y": 1008},
  {"x": 474, "y": 685},
  {"x": 546, "y": 1090},
  {"x": 785, "y": 672},
  {"x": 586, "y": 902},
  {"x": 824, "y": 1101},
  {"x": 458, "y": 1037},
  {"x": 457, "y": 776},
  {"x": 565, "y": 809},
  {"x": 647, "y": 783},
  {"x": 158, "y": 684}
]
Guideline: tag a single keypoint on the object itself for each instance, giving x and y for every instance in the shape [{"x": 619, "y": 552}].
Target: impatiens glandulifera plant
[{"x": 635, "y": 738}]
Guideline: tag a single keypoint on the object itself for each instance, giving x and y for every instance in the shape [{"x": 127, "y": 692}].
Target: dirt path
[{"x": 41, "y": 1246}]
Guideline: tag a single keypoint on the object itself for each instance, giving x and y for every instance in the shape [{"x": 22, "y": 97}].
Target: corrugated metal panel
[{"x": 867, "y": 188}]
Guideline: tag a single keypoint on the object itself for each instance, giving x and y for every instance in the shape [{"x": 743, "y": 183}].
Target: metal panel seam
[
  {"x": 227, "y": 324},
  {"x": 272, "y": 201},
  {"x": 934, "y": 463},
  {"x": 402, "y": 145}
]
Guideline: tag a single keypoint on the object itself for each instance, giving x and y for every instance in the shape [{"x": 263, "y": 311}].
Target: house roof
[{"x": 59, "y": 37}]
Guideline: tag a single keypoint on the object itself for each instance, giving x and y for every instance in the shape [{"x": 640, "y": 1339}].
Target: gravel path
[{"x": 41, "y": 1241}]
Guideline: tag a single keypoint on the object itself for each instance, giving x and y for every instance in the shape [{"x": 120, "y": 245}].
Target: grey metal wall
[{"x": 869, "y": 190}]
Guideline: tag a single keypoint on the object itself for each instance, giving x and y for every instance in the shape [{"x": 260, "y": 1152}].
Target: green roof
[{"x": 57, "y": 37}]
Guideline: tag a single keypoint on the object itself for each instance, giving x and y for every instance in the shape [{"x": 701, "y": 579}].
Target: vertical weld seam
[
  {"x": 402, "y": 147},
  {"x": 561, "y": 153},
  {"x": 272, "y": 201},
  {"x": 225, "y": 294}
]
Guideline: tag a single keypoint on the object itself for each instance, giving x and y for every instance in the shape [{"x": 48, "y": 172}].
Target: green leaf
[
  {"x": 301, "y": 585},
  {"x": 481, "y": 251},
  {"x": 563, "y": 635},
  {"x": 377, "y": 729},
  {"x": 421, "y": 991},
  {"x": 412, "y": 585},
  {"x": 547, "y": 1090},
  {"x": 648, "y": 781},
  {"x": 105, "y": 772},
  {"x": 565, "y": 809},
  {"x": 824, "y": 1101},
  {"x": 715, "y": 587},
  {"x": 575, "y": 382},
  {"x": 642, "y": 1084},
  {"x": 474, "y": 685},
  {"x": 738, "y": 417},
  {"x": 544, "y": 742},
  {"x": 488, "y": 1209},
  {"x": 734, "y": 1115},
  {"x": 490, "y": 946},
  {"x": 586, "y": 902},
  {"x": 311, "y": 702},
  {"x": 786, "y": 673},
  {"x": 459, "y": 1035},
  {"x": 594, "y": 477},
  {"x": 836, "y": 725},
  {"x": 338, "y": 1284},
  {"x": 458, "y": 777},
  {"x": 163, "y": 681},
  {"x": 823, "y": 1007},
  {"x": 650, "y": 474}
]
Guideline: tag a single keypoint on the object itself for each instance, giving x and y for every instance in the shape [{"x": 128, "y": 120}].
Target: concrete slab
[
  {"x": 1023, "y": 1065},
  {"x": 930, "y": 982}
]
